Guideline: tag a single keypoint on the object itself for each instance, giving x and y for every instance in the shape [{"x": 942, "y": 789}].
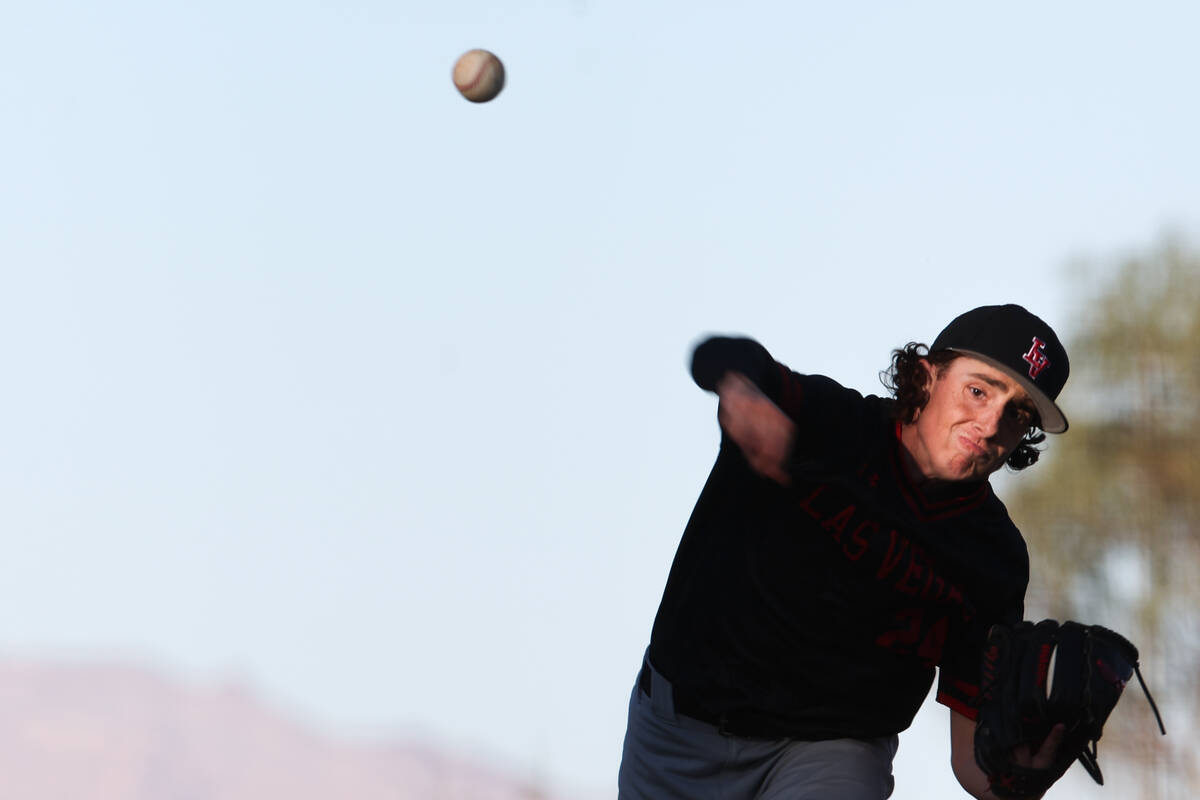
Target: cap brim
[{"x": 1052, "y": 417}]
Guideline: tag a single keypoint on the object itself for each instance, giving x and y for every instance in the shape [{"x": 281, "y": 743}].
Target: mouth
[{"x": 973, "y": 447}]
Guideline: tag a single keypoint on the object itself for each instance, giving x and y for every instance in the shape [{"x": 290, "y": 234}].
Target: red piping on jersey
[{"x": 954, "y": 704}]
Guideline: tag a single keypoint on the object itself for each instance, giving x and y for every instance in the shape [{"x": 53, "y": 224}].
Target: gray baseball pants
[{"x": 668, "y": 756}]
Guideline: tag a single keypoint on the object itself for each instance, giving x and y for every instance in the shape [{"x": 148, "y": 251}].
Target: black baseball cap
[{"x": 1019, "y": 344}]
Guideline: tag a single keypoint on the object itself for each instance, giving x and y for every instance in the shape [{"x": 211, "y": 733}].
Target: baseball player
[{"x": 842, "y": 548}]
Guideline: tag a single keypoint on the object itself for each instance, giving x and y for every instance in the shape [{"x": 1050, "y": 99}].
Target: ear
[
  {"x": 926, "y": 386},
  {"x": 930, "y": 372}
]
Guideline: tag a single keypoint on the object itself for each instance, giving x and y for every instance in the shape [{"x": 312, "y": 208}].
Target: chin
[
  {"x": 969, "y": 471},
  {"x": 982, "y": 473}
]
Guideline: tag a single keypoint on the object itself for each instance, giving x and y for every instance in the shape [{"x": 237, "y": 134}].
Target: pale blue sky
[{"x": 318, "y": 375}]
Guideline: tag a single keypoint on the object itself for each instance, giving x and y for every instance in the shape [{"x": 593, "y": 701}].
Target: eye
[
  {"x": 975, "y": 391},
  {"x": 1020, "y": 415}
]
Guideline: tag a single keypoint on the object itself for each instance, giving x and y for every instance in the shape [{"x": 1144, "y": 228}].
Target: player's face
[{"x": 975, "y": 416}]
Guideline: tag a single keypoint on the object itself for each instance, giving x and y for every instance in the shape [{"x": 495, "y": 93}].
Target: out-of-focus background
[{"x": 346, "y": 428}]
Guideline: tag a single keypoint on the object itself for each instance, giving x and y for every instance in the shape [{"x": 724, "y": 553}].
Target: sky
[{"x": 321, "y": 378}]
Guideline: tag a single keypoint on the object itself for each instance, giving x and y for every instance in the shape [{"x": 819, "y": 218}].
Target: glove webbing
[{"x": 1088, "y": 757}]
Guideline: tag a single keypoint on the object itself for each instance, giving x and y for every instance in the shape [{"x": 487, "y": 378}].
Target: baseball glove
[{"x": 1036, "y": 676}]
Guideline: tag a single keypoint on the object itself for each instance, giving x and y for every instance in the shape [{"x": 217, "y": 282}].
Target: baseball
[{"x": 479, "y": 75}]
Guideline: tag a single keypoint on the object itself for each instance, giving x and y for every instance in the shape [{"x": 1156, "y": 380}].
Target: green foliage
[
  {"x": 1126, "y": 473},
  {"x": 1112, "y": 513}
]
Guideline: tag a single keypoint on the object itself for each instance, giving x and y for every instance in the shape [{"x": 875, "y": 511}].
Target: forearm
[
  {"x": 962, "y": 757},
  {"x": 760, "y": 400},
  {"x": 975, "y": 783},
  {"x": 986, "y": 794}
]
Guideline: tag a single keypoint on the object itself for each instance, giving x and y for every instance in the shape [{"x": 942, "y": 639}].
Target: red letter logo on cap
[{"x": 1036, "y": 357}]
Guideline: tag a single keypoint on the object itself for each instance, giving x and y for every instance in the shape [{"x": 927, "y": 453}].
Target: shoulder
[
  {"x": 826, "y": 393},
  {"x": 832, "y": 415},
  {"x": 994, "y": 520},
  {"x": 1000, "y": 561},
  {"x": 983, "y": 547},
  {"x": 998, "y": 536}
]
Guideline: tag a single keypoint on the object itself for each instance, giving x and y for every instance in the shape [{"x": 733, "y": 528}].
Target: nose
[{"x": 989, "y": 420}]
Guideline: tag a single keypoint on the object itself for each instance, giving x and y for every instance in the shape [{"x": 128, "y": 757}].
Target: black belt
[
  {"x": 748, "y": 726},
  {"x": 686, "y": 705}
]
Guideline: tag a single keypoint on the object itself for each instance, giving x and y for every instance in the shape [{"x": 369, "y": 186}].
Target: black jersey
[{"x": 821, "y": 609}]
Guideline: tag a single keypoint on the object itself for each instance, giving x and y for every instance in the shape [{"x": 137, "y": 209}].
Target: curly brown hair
[{"x": 906, "y": 380}]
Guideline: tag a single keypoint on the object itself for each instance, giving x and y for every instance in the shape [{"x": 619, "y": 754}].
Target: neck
[{"x": 906, "y": 433}]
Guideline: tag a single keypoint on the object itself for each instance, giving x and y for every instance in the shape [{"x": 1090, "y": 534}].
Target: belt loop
[{"x": 662, "y": 694}]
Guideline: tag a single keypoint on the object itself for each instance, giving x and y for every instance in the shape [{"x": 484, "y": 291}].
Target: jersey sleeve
[
  {"x": 820, "y": 407},
  {"x": 959, "y": 673},
  {"x": 718, "y": 355}
]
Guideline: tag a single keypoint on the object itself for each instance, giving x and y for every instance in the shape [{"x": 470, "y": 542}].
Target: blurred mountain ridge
[{"x": 119, "y": 731}]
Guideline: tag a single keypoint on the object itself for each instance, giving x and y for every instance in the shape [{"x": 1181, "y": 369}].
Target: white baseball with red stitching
[{"x": 479, "y": 75}]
